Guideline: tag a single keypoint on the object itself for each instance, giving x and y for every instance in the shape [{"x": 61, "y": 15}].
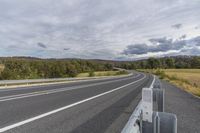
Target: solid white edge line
[
  {"x": 39, "y": 93},
  {"x": 129, "y": 127},
  {"x": 63, "y": 108},
  {"x": 151, "y": 86}
]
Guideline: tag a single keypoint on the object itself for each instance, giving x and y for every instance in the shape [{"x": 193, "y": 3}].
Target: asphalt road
[{"x": 80, "y": 107}]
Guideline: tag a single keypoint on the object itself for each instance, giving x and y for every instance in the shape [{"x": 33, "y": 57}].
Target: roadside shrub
[
  {"x": 160, "y": 73},
  {"x": 108, "y": 74},
  {"x": 173, "y": 77},
  {"x": 121, "y": 72},
  {"x": 91, "y": 74},
  {"x": 195, "y": 85}
]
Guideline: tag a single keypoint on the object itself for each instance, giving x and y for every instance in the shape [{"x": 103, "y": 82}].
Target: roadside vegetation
[
  {"x": 102, "y": 73},
  {"x": 177, "y": 62},
  {"x": 183, "y": 71},
  {"x": 31, "y": 68},
  {"x": 35, "y": 68},
  {"x": 1, "y": 68},
  {"x": 187, "y": 79}
]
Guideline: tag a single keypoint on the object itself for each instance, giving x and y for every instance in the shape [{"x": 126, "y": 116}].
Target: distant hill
[
  {"x": 164, "y": 62},
  {"x": 180, "y": 57}
]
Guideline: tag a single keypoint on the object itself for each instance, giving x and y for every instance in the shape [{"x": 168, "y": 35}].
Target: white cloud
[{"x": 91, "y": 28}]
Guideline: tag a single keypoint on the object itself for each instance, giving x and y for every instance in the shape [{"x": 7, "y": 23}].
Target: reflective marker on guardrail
[{"x": 158, "y": 100}]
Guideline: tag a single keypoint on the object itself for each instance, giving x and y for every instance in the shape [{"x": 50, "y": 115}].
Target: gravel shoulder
[{"x": 185, "y": 106}]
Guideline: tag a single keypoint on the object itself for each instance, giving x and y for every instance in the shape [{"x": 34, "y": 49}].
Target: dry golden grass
[
  {"x": 187, "y": 87},
  {"x": 191, "y": 75},
  {"x": 106, "y": 73},
  {"x": 187, "y": 79},
  {"x": 1, "y": 67}
]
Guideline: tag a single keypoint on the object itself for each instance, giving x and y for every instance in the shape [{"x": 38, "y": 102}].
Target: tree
[
  {"x": 91, "y": 74},
  {"x": 71, "y": 70},
  {"x": 195, "y": 62},
  {"x": 170, "y": 63},
  {"x": 153, "y": 63}
]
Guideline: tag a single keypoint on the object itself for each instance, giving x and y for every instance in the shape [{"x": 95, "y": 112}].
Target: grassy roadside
[
  {"x": 102, "y": 73},
  {"x": 1, "y": 67},
  {"x": 82, "y": 76},
  {"x": 187, "y": 79}
]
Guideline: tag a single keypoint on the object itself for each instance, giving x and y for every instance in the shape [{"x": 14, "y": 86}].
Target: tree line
[
  {"x": 177, "y": 62},
  {"x": 20, "y": 68},
  {"x": 33, "y": 68}
]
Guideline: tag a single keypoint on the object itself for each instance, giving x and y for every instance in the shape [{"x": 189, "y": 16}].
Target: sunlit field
[
  {"x": 187, "y": 79},
  {"x": 191, "y": 75}
]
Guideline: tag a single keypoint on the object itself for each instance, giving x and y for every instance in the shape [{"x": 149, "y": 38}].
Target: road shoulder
[{"x": 185, "y": 106}]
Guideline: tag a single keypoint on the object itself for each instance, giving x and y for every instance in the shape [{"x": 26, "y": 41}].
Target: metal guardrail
[
  {"x": 134, "y": 125},
  {"x": 32, "y": 81},
  {"x": 149, "y": 116}
]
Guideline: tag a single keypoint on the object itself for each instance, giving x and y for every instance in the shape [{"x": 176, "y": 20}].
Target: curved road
[{"x": 80, "y": 107}]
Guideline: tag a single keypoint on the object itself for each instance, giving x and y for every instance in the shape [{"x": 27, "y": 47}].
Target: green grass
[
  {"x": 187, "y": 79},
  {"x": 102, "y": 73}
]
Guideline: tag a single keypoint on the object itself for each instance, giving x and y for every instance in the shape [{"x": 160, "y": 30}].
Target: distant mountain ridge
[{"x": 101, "y": 60}]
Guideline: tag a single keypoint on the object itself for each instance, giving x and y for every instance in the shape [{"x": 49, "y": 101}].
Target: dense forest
[{"x": 32, "y": 68}]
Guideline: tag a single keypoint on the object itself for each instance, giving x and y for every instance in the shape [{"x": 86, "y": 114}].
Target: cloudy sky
[{"x": 102, "y": 29}]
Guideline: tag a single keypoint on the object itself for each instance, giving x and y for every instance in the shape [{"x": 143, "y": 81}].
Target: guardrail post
[
  {"x": 164, "y": 122},
  {"x": 147, "y": 104},
  {"x": 158, "y": 99},
  {"x": 150, "y": 119},
  {"x": 157, "y": 83}
]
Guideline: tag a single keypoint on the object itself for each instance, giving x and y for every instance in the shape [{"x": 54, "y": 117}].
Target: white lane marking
[
  {"x": 129, "y": 128},
  {"x": 151, "y": 86},
  {"x": 63, "y": 108},
  {"x": 38, "y": 93}
]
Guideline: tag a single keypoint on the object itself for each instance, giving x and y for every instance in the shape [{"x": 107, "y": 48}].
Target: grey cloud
[
  {"x": 12, "y": 47},
  {"x": 183, "y": 36},
  {"x": 136, "y": 49},
  {"x": 191, "y": 51},
  {"x": 157, "y": 45},
  {"x": 177, "y": 26},
  {"x": 195, "y": 41},
  {"x": 66, "y": 49},
  {"x": 41, "y": 45}
]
